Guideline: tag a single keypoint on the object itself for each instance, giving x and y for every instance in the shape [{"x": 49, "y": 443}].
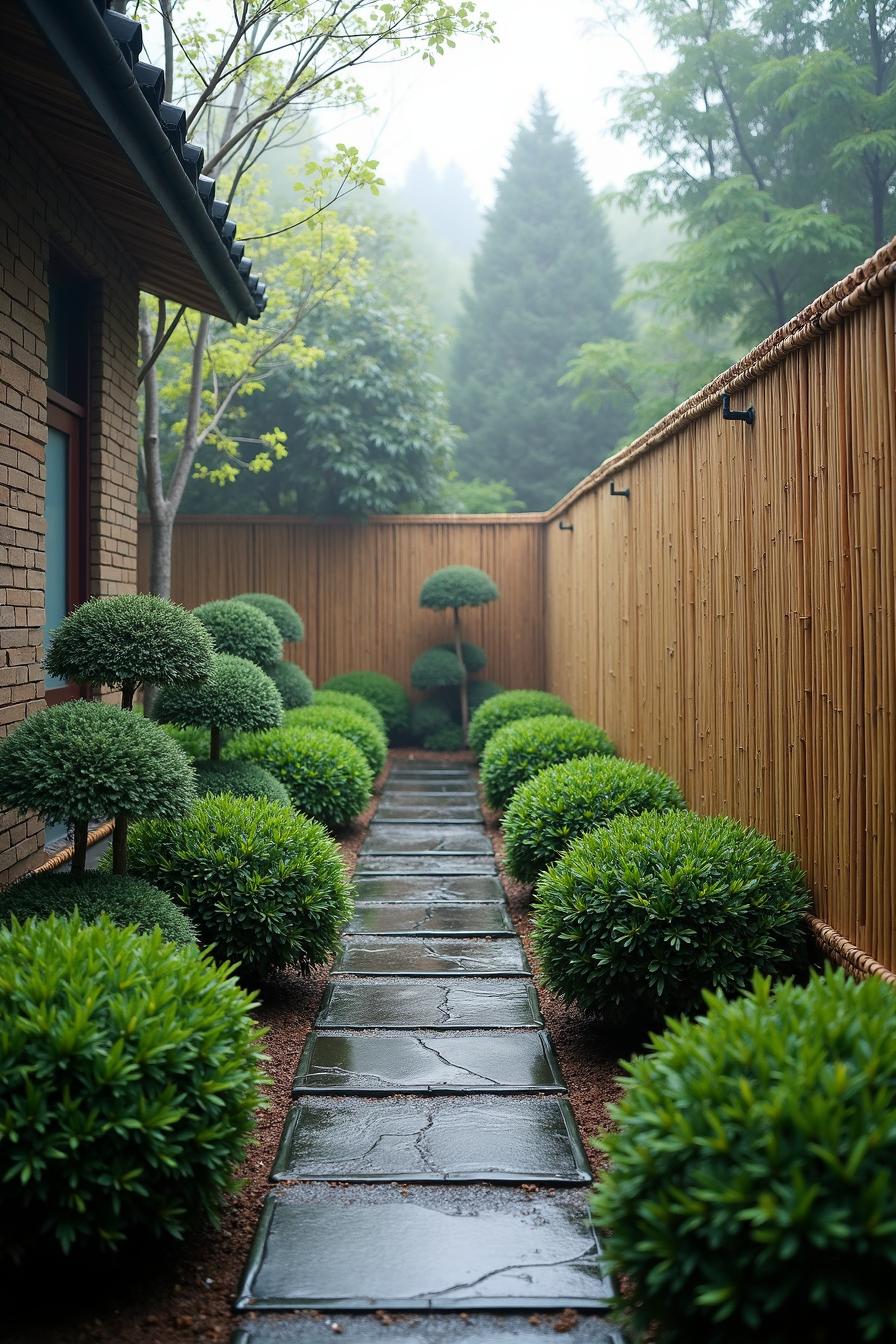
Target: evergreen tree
[{"x": 544, "y": 282}]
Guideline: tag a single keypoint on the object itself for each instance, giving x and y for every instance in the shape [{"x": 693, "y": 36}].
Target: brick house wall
[{"x": 41, "y": 208}]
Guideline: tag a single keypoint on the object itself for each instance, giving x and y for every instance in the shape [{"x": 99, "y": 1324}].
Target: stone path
[{"x": 430, "y": 1164}]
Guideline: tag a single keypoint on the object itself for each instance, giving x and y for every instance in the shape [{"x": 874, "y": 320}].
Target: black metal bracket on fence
[
  {"x": 623, "y": 494},
  {"x": 748, "y": 416},
  {"x": 565, "y": 527}
]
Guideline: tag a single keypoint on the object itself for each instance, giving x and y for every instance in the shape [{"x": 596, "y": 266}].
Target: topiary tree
[
  {"x": 383, "y": 692},
  {"x": 82, "y": 759},
  {"x": 369, "y": 740},
  {"x": 477, "y": 694},
  {"x": 345, "y": 700},
  {"x": 454, "y": 587},
  {"x": 436, "y": 668},
  {"x": 472, "y": 656},
  {"x": 325, "y": 775},
  {"x": 242, "y": 779},
  {"x": 238, "y": 697},
  {"x": 194, "y": 741},
  {"x": 285, "y": 617},
  {"x": 524, "y": 747},
  {"x": 295, "y": 686},
  {"x": 241, "y": 630},
  {"x": 508, "y": 706},
  {"x": 434, "y": 728},
  {"x": 638, "y": 918},
  {"x": 128, "y": 902}
]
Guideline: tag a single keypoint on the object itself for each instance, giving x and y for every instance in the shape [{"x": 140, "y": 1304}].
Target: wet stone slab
[
  {"x": 433, "y": 1003},
  {"x": 532, "y": 1139},
  {"x": 431, "y": 956},
  {"x": 404, "y": 920},
  {"x": 393, "y": 837},
  {"x": 447, "y": 1248},
  {"x": 342, "y": 1065},
  {"x": 444, "y": 1327},
  {"x": 426, "y": 865},
  {"x": 431, "y": 786},
  {"x": 428, "y": 890},
  {"x": 427, "y": 807}
]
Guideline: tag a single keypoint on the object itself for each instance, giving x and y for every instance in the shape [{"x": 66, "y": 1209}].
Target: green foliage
[
  {"x": 130, "y": 640},
  {"x": 266, "y": 886},
  {"x": 357, "y": 728},
  {"x": 508, "y": 706},
  {"x": 129, "y": 1079},
  {"x": 437, "y": 667},
  {"x": 750, "y": 1185},
  {"x": 473, "y": 657},
  {"x": 433, "y": 726},
  {"x": 478, "y": 496},
  {"x": 238, "y": 697},
  {"x": 325, "y": 775},
  {"x": 295, "y": 686},
  {"x": 636, "y": 919},
  {"x": 524, "y": 747},
  {"x": 457, "y": 586},
  {"x": 127, "y": 901},
  {"x": 242, "y": 630},
  {"x": 242, "y": 779},
  {"x": 477, "y": 691},
  {"x": 193, "y": 741},
  {"x": 383, "y": 692},
  {"x": 559, "y": 804},
  {"x": 346, "y": 700},
  {"x": 285, "y": 617}
]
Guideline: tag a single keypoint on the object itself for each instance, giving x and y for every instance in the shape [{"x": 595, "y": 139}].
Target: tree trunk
[
  {"x": 79, "y": 857},
  {"x": 464, "y": 699},
  {"x": 162, "y": 530},
  {"x": 120, "y": 846},
  {"x": 127, "y": 695},
  {"x": 215, "y": 743}
]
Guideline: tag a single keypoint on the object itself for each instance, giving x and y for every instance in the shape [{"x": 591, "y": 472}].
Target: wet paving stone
[
  {"x": 403, "y": 920},
  {"x": 448, "y": 1248},
  {"x": 432, "y": 1003},
  {"x": 427, "y": 807},
  {"x": 532, "y": 1139},
  {"x": 428, "y": 890},
  {"x": 426, "y": 865},
  {"x": 521, "y": 1061},
  {"x": 431, "y": 785},
  {"x": 391, "y": 837},
  {"x": 431, "y": 956},
  {"x": 444, "y": 1327}
]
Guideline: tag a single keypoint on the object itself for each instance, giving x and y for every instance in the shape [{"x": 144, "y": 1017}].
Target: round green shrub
[
  {"x": 345, "y": 700},
  {"x": 457, "y": 586},
  {"x": 129, "y": 1080},
  {"x": 434, "y": 728},
  {"x": 237, "y": 697},
  {"x": 295, "y": 686},
  {"x": 285, "y": 617},
  {"x": 382, "y": 692},
  {"x": 559, "y": 804},
  {"x": 242, "y": 630},
  {"x": 750, "y": 1190},
  {"x": 521, "y": 749},
  {"x": 436, "y": 667},
  {"x": 636, "y": 919},
  {"x": 126, "y": 900},
  {"x": 325, "y": 775},
  {"x": 355, "y": 727},
  {"x": 473, "y": 657},
  {"x": 242, "y": 779},
  {"x": 509, "y": 705},
  {"x": 266, "y": 886}
]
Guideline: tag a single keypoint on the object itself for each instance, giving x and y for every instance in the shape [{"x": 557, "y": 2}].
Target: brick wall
[{"x": 40, "y": 208}]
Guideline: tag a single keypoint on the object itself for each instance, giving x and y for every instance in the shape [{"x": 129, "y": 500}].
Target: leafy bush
[
  {"x": 325, "y": 775},
  {"x": 382, "y": 692},
  {"x": 639, "y": 917},
  {"x": 241, "y": 630},
  {"x": 355, "y": 727},
  {"x": 285, "y": 617},
  {"x": 434, "y": 728},
  {"x": 750, "y": 1190},
  {"x": 345, "y": 700},
  {"x": 126, "y": 900},
  {"x": 473, "y": 657},
  {"x": 193, "y": 741},
  {"x": 437, "y": 667},
  {"x": 295, "y": 686},
  {"x": 129, "y": 1078},
  {"x": 477, "y": 693},
  {"x": 457, "y": 586},
  {"x": 521, "y": 749},
  {"x": 238, "y": 697},
  {"x": 266, "y": 886},
  {"x": 565, "y": 801},
  {"x": 242, "y": 779},
  {"x": 509, "y": 705}
]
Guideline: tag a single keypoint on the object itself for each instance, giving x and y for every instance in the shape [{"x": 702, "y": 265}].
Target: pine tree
[{"x": 544, "y": 282}]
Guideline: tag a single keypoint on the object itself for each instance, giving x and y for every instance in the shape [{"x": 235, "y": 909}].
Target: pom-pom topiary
[
  {"x": 325, "y": 775},
  {"x": 565, "y": 801},
  {"x": 355, "y": 727},
  {"x": 636, "y": 919},
  {"x": 473, "y": 657},
  {"x": 285, "y": 617},
  {"x": 294, "y": 685},
  {"x": 129, "y": 1082},
  {"x": 265, "y": 885},
  {"x": 521, "y": 749},
  {"x": 508, "y": 706},
  {"x": 242, "y": 630},
  {"x": 345, "y": 700},
  {"x": 243, "y": 779},
  {"x": 457, "y": 586},
  {"x": 382, "y": 692},
  {"x": 238, "y": 697},
  {"x": 750, "y": 1190},
  {"x": 434, "y": 728},
  {"x": 126, "y": 900},
  {"x": 436, "y": 667}
]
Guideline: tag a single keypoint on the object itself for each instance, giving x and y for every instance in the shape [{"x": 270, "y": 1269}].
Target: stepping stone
[
  {"x": 433, "y": 769},
  {"x": 385, "y": 837},
  {"x": 528, "y": 1139},
  {"x": 427, "y": 890},
  {"x": 426, "y": 865},
  {"x": 443, "y": 1327},
  {"x": 430, "y": 784},
  {"x": 430, "y": 1003},
  {"x": 323, "y": 1248},
  {"x": 431, "y": 956},
  {"x": 401, "y": 921},
  {"x": 428, "y": 807}
]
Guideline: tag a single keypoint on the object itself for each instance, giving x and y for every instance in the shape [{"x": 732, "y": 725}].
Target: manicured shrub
[
  {"x": 521, "y": 749},
  {"x": 434, "y": 728},
  {"x": 473, "y": 657},
  {"x": 508, "y": 706},
  {"x": 265, "y": 885},
  {"x": 242, "y": 779},
  {"x": 477, "y": 694},
  {"x": 294, "y": 685},
  {"x": 436, "y": 667},
  {"x": 238, "y": 697},
  {"x": 750, "y": 1192},
  {"x": 454, "y": 587},
  {"x": 241, "y": 630},
  {"x": 637, "y": 918},
  {"x": 559, "y": 804},
  {"x": 345, "y": 700},
  {"x": 382, "y": 692},
  {"x": 285, "y": 617},
  {"x": 355, "y": 727},
  {"x": 126, "y": 900},
  {"x": 193, "y": 741},
  {"x": 129, "y": 1079},
  {"x": 325, "y": 775}
]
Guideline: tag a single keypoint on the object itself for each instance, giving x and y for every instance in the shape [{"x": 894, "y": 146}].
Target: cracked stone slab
[
  {"x": 429, "y": 1002},
  {"x": 427, "y": 807},
  {"x": 395, "y": 837},
  {"x": 444, "y": 1327},
  {"x": 451, "y": 1248},
  {"x": 427, "y": 890},
  {"x": 532, "y": 1139},
  {"x": 437, "y": 917},
  {"x": 382, "y": 1065},
  {"x": 426, "y": 865},
  {"x": 431, "y": 956}
]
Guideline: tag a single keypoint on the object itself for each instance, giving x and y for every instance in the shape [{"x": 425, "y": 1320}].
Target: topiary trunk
[
  {"x": 214, "y": 743},
  {"x": 79, "y": 853},
  {"x": 464, "y": 698},
  {"x": 120, "y": 833}
]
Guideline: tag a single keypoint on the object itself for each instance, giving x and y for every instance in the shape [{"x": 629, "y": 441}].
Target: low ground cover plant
[
  {"x": 556, "y": 806},
  {"x": 637, "y": 918},
  {"x": 508, "y": 706},
  {"x": 238, "y": 697},
  {"x": 452, "y": 589},
  {"x": 750, "y": 1191},
  {"x": 129, "y": 1078},
  {"x": 386, "y": 694},
  {"x": 355, "y": 727},
  {"x": 125, "y": 900},
  {"x": 523, "y": 747},
  {"x": 282, "y": 613},
  {"x": 242, "y": 779},
  {"x": 324, "y": 774},
  {"x": 346, "y": 700},
  {"x": 295, "y": 686},
  {"x": 241, "y": 630}
]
